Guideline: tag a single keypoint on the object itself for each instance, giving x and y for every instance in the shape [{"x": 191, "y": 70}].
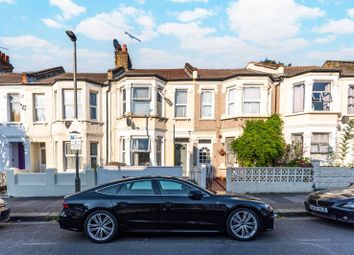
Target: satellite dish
[{"x": 116, "y": 45}]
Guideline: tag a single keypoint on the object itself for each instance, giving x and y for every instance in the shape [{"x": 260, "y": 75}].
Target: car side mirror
[{"x": 195, "y": 194}]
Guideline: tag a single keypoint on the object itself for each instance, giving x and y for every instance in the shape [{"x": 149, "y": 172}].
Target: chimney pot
[
  {"x": 7, "y": 59},
  {"x": 3, "y": 57},
  {"x": 24, "y": 77},
  {"x": 124, "y": 49}
]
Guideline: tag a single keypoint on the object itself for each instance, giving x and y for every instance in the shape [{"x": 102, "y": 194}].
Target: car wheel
[
  {"x": 101, "y": 226},
  {"x": 243, "y": 224}
]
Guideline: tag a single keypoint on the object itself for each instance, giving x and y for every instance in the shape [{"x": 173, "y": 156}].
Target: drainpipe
[{"x": 107, "y": 123}]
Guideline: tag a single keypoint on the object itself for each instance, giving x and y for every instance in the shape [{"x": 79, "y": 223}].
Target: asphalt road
[{"x": 293, "y": 236}]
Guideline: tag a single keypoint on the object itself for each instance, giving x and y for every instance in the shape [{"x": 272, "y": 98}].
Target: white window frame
[
  {"x": 132, "y": 150},
  {"x": 251, "y": 100},
  {"x": 212, "y": 104},
  {"x": 303, "y": 97},
  {"x": 159, "y": 113},
  {"x": 79, "y": 104},
  {"x": 133, "y": 99},
  {"x": 158, "y": 152},
  {"x": 9, "y": 101},
  {"x": 122, "y": 149},
  {"x": 94, "y": 156},
  {"x": 351, "y": 86},
  {"x": 321, "y": 96},
  {"x": 65, "y": 155},
  {"x": 123, "y": 99},
  {"x": 319, "y": 144},
  {"x": 231, "y": 102},
  {"x": 93, "y": 106},
  {"x": 36, "y": 108},
  {"x": 179, "y": 104}
]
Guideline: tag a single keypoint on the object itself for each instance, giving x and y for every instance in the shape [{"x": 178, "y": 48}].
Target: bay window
[
  {"x": 124, "y": 101},
  {"x": 14, "y": 107},
  {"x": 321, "y": 96},
  {"x": 181, "y": 103},
  {"x": 122, "y": 150},
  {"x": 158, "y": 103},
  {"x": 94, "y": 154},
  {"x": 141, "y": 101},
  {"x": 69, "y": 157},
  {"x": 320, "y": 146},
  {"x": 38, "y": 106},
  {"x": 207, "y": 104},
  {"x": 68, "y": 104},
  {"x": 231, "y": 98},
  {"x": 93, "y": 106},
  {"x": 140, "y": 148},
  {"x": 351, "y": 99},
  {"x": 298, "y": 98},
  {"x": 251, "y": 100}
]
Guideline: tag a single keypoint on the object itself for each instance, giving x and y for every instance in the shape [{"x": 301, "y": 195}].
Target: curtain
[
  {"x": 298, "y": 98},
  {"x": 251, "y": 100},
  {"x": 207, "y": 104},
  {"x": 181, "y": 111},
  {"x": 69, "y": 104},
  {"x": 141, "y": 107},
  {"x": 251, "y": 93},
  {"x": 251, "y": 107},
  {"x": 181, "y": 97}
]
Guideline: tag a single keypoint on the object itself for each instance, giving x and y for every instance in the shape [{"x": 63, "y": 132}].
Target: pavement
[
  {"x": 300, "y": 236},
  {"x": 48, "y": 208}
]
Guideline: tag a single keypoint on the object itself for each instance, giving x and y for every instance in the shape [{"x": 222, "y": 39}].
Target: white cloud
[
  {"x": 267, "y": 22},
  {"x": 106, "y": 26},
  {"x": 7, "y": 1},
  {"x": 324, "y": 40},
  {"x": 342, "y": 26},
  {"x": 184, "y": 31},
  {"x": 26, "y": 41},
  {"x": 51, "y": 23},
  {"x": 68, "y": 7},
  {"x": 189, "y": 1},
  {"x": 350, "y": 12},
  {"x": 140, "y": 1},
  {"x": 160, "y": 58},
  {"x": 192, "y": 15},
  {"x": 320, "y": 57},
  {"x": 32, "y": 53}
]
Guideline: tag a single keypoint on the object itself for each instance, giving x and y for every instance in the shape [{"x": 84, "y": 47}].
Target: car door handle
[
  {"x": 168, "y": 204},
  {"x": 122, "y": 203}
]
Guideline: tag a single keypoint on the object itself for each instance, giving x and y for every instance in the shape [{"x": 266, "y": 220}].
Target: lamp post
[{"x": 73, "y": 38}]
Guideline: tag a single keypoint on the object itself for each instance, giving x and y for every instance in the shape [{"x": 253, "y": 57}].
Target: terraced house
[{"x": 186, "y": 116}]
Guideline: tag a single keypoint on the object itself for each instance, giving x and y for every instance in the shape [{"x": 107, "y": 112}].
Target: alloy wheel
[
  {"x": 243, "y": 224},
  {"x": 100, "y": 226}
]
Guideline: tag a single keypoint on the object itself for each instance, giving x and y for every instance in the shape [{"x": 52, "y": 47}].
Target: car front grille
[{"x": 325, "y": 203}]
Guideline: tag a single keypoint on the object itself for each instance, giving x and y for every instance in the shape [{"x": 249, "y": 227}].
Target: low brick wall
[{"x": 332, "y": 177}]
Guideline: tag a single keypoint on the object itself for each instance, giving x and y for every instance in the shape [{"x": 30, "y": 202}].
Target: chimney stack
[
  {"x": 121, "y": 58},
  {"x": 24, "y": 78},
  {"x": 5, "y": 65}
]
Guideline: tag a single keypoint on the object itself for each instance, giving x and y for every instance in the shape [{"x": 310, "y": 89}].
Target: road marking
[{"x": 43, "y": 244}]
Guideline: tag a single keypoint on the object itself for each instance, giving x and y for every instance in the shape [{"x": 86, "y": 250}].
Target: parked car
[
  {"x": 4, "y": 211},
  {"x": 162, "y": 204},
  {"x": 335, "y": 204}
]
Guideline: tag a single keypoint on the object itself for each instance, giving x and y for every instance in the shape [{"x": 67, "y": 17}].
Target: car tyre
[
  {"x": 101, "y": 226},
  {"x": 243, "y": 224}
]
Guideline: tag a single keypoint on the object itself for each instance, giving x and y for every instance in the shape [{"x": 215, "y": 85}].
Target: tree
[{"x": 262, "y": 143}]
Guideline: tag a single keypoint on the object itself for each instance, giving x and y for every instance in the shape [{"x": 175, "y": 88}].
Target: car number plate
[{"x": 318, "y": 209}]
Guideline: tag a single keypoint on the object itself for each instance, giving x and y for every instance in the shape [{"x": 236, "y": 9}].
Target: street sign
[{"x": 75, "y": 142}]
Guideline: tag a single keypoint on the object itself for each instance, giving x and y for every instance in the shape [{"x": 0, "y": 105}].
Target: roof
[
  {"x": 182, "y": 74},
  {"x": 58, "y": 75},
  {"x": 98, "y": 78},
  {"x": 346, "y": 67},
  {"x": 10, "y": 78}
]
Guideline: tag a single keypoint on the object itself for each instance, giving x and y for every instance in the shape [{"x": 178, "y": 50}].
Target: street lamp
[{"x": 73, "y": 38}]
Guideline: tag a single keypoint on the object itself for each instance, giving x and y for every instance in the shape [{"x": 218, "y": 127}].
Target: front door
[
  {"x": 17, "y": 152},
  {"x": 180, "y": 212},
  {"x": 42, "y": 159},
  {"x": 137, "y": 205},
  {"x": 181, "y": 157}
]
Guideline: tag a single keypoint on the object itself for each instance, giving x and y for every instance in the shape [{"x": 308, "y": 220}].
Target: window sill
[
  {"x": 312, "y": 112},
  {"x": 12, "y": 123},
  {"x": 40, "y": 123},
  {"x": 207, "y": 119},
  {"x": 182, "y": 118},
  {"x": 244, "y": 116}
]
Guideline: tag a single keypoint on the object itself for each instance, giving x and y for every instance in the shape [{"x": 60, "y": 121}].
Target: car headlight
[
  {"x": 268, "y": 207},
  {"x": 349, "y": 205}
]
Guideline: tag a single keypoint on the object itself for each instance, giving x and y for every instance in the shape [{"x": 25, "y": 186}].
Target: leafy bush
[{"x": 261, "y": 144}]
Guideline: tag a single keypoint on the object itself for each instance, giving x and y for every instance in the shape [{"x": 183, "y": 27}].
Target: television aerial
[
  {"x": 132, "y": 36},
  {"x": 4, "y": 48}
]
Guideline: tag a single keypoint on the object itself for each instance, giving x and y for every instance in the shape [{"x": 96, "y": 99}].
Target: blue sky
[{"x": 205, "y": 33}]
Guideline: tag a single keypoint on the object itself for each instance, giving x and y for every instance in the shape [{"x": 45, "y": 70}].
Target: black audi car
[
  {"x": 332, "y": 204},
  {"x": 4, "y": 211},
  {"x": 162, "y": 204}
]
